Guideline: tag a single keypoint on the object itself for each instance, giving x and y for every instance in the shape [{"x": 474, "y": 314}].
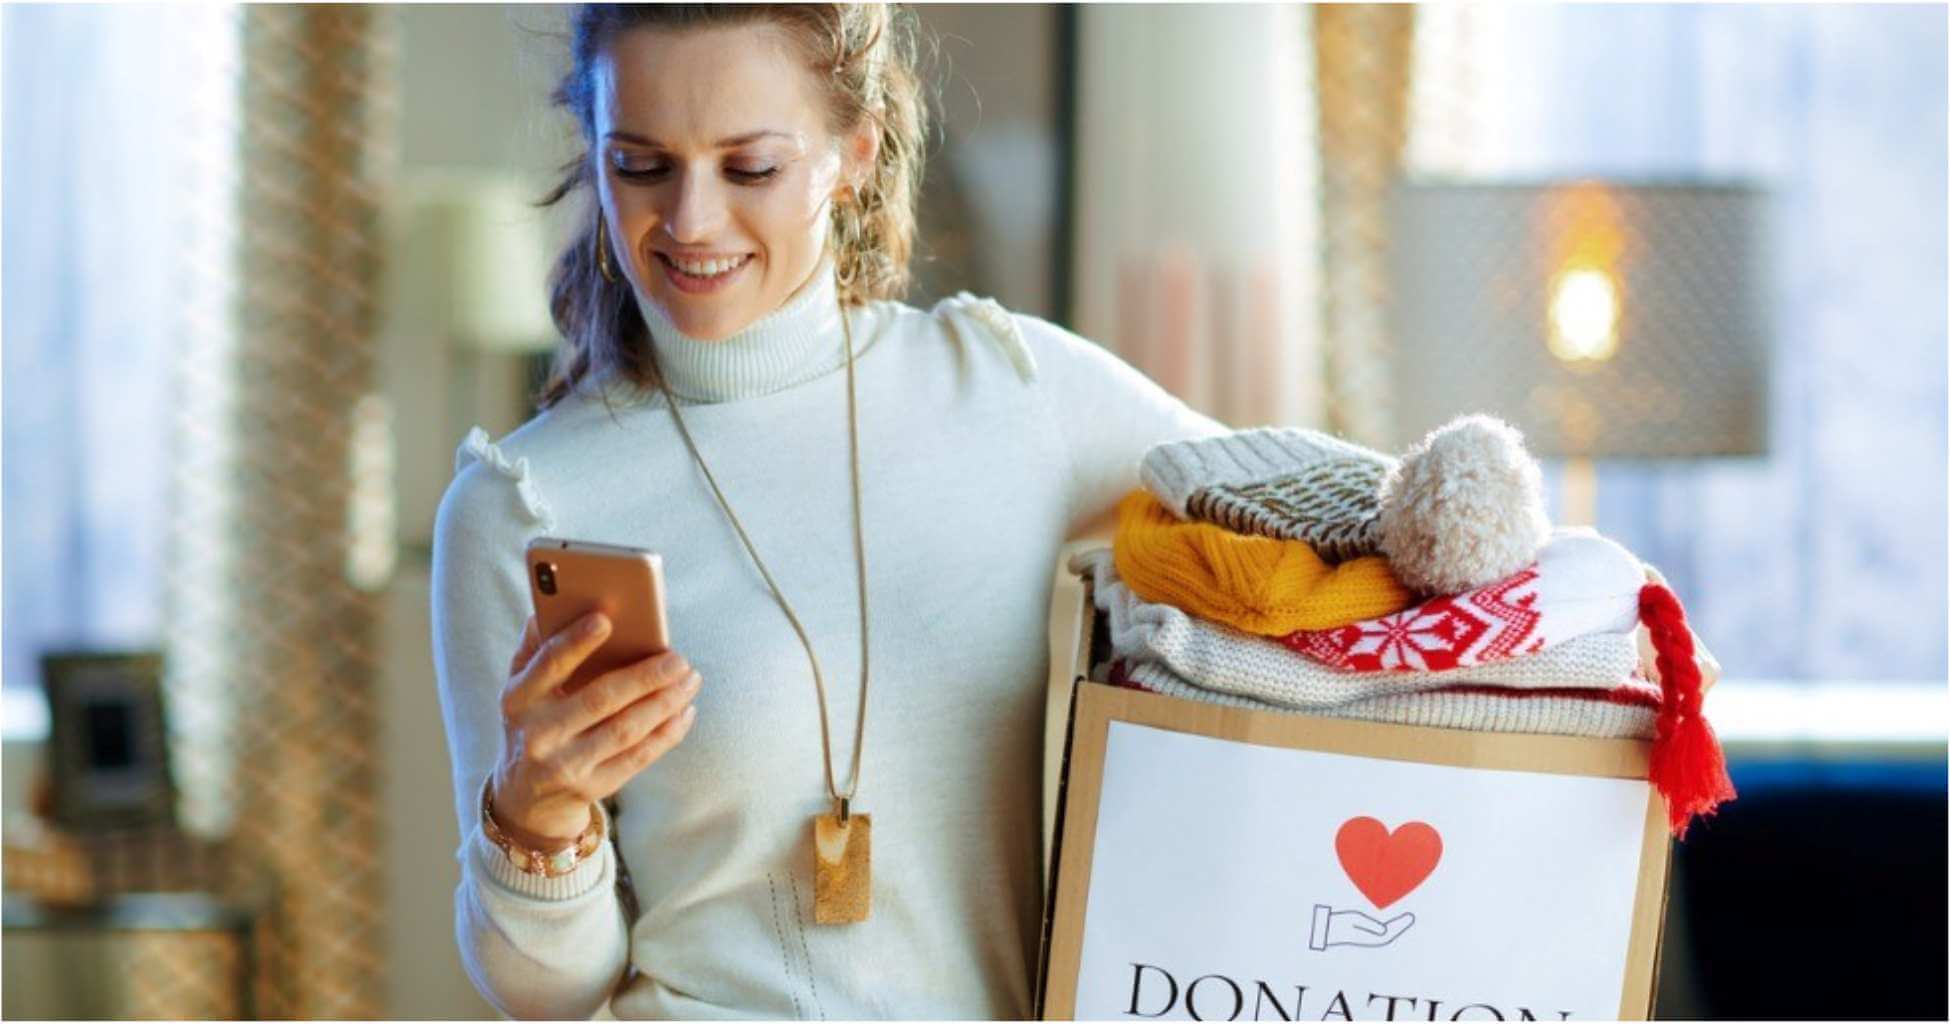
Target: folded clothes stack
[{"x": 1284, "y": 569}]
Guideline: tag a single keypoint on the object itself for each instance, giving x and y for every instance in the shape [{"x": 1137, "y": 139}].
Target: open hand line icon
[{"x": 1354, "y": 928}]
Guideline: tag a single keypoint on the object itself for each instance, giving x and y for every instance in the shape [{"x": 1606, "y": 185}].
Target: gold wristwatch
[{"x": 546, "y": 863}]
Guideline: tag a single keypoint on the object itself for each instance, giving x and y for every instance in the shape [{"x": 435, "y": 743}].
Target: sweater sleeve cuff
[{"x": 594, "y": 871}]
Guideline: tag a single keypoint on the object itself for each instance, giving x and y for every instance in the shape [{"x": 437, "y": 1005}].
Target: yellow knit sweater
[{"x": 1261, "y": 585}]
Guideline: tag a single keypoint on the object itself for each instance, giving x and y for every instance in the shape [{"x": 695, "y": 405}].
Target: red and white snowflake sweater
[{"x": 1581, "y": 584}]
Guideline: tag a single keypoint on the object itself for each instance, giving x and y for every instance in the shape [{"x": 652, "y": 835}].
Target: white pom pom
[{"x": 1464, "y": 509}]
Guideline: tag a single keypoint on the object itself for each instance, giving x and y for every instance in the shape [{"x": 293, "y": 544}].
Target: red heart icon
[{"x": 1386, "y": 866}]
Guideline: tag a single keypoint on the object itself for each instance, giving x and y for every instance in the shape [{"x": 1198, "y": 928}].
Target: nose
[{"x": 696, "y": 209}]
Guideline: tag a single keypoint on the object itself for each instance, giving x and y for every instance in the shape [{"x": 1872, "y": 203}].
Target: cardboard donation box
[{"x": 1219, "y": 863}]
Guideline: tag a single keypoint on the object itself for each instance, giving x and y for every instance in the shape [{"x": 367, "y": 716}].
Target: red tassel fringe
[{"x": 1688, "y": 767}]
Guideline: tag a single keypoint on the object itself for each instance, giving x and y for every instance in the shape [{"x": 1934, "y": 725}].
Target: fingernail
[
  {"x": 674, "y": 665},
  {"x": 690, "y": 713},
  {"x": 691, "y": 684},
  {"x": 594, "y": 623}
]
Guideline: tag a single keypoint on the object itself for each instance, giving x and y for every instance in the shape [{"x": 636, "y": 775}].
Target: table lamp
[
  {"x": 1603, "y": 319},
  {"x": 474, "y": 261},
  {"x": 473, "y": 277},
  {"x": 467, "y": 296}
]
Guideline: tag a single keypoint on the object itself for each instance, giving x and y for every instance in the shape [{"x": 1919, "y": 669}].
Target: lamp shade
[
  {"x": 1603, "y": 319},
  {"x": 473, "y": 263}
]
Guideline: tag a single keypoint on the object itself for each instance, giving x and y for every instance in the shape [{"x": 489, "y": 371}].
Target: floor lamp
[{"x": 1604, "y": 319}]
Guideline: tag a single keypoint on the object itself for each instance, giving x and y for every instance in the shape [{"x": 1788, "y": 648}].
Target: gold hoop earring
[{"x": 602, "y": 252}]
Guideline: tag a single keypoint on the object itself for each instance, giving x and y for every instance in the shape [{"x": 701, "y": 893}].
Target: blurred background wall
[{"x": 1210, "y": 192}]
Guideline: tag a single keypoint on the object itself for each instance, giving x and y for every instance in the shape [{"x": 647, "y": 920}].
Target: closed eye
[{"x": 650, "y": 174}]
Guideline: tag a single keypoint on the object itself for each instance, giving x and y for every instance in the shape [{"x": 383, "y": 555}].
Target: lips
[{"x": 720, "y": 273}]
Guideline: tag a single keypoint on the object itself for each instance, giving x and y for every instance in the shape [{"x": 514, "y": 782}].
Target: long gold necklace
[{"x": 842, "y": 841}]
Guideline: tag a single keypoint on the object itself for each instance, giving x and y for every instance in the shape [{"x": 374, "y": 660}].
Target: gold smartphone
[{"x": 568, "y": 579}]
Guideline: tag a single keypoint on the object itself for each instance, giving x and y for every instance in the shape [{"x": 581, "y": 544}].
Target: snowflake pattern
[{"x": 1492, "y": 623}]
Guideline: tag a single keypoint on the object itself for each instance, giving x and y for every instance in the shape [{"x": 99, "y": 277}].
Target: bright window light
[{"x": 1584, "y": 316}]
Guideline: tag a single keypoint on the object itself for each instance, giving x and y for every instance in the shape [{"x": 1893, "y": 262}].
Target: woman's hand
[{"x": 565, "y": 750}]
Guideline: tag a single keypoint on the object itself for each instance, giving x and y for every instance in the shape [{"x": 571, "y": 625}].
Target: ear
[{"x": 858, "y": 151}]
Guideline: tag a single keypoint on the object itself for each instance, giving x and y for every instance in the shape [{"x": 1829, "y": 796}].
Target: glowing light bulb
[{"x": 1584, "y": 316}]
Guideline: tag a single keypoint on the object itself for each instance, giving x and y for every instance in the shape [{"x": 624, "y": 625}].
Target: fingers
[
  {"x": 628, "y": 726},
  {"x": 1362, "y": 922},
  {"x": 531, "y": 638},
  {"x": 617, "y": 689},
  {"x": 555, "y": 661},
  {"x": 1396, "y": 925},
  {"x": 1709, "y": 666},
  {"x": 619, "y": 769}
]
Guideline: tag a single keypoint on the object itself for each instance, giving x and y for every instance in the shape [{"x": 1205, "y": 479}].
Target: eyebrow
[{"x": 725, "y": 143}]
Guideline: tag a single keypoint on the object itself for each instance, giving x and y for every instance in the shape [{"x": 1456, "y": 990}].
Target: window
[
  {"x": 1825, "y": 560},
  {"x": 112, "y": 121}
]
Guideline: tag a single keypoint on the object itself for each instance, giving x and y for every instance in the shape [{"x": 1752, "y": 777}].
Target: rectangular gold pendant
[{"x": 842, "y": 868}]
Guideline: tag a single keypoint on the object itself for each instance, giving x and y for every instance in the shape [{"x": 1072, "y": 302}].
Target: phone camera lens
[{"x": 545, "y": 577}]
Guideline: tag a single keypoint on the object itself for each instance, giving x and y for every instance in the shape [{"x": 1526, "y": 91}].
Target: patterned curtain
[
  {"x": 1363, "y": 55},
  {"x": 273, "y": 609}
]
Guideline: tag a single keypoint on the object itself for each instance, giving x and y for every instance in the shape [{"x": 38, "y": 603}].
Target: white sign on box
[
  {"x": 1223, "y": 864},
  {"x": 1355, "y": 886}
]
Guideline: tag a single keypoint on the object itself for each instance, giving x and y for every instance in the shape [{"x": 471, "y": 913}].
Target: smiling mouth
[{"x": 704, "y": 270}]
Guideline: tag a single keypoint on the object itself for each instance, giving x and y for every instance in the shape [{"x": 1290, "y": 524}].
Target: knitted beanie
[
  {"x": 1258, "y": 584},
  {"x": 1276, "y": 482},
  {"x": 1463, "y": 508}
]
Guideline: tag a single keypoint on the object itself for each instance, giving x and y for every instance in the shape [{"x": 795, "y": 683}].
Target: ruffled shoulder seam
[
  {"x": 992, "y": 321},
  {"x": 478, "y": 448}
]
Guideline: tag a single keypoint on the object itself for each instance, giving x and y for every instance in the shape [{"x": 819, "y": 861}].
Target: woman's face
[{"x": 713, "y": 156}]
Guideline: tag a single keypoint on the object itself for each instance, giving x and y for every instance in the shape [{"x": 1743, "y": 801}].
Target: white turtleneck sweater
[{"x": 985, "y": 438}]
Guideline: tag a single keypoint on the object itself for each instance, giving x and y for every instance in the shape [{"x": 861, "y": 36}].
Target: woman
[{"x": 753, "y": 172}]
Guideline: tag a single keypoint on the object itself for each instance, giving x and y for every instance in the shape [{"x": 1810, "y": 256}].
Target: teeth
[{"x": 708, "y": 268}]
